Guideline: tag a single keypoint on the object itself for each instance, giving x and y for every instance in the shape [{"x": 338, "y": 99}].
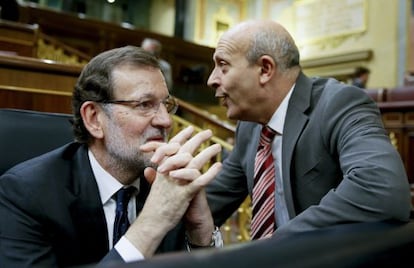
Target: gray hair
[{"x": 280, "y": 47}]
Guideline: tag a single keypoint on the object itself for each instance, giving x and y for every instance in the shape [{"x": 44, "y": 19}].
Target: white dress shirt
[
  {"x": 276, "y": 123},
  {"x": 108, "y": 186}
]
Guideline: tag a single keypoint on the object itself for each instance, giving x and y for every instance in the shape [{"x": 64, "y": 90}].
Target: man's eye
[
  {"x": 145, "y": 105},
  {"x": 222, "y": 63}
]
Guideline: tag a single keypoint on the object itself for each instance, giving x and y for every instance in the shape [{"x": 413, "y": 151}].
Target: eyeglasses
[{"x": 148, "y": 107}]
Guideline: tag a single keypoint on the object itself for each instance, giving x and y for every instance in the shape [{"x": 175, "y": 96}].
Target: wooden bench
[{"x": 18, "y": 39}]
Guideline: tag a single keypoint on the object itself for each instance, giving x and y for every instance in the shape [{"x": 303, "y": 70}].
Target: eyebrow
[{"x": 144, "y": 96}]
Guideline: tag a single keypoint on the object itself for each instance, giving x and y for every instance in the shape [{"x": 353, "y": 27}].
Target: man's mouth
[
  {"x": 222, "y": 99},
  {"x": 158, "y": 138}
]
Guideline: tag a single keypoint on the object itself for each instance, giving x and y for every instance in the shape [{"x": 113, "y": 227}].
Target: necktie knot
[
  {"x": 122, "y": 198},
  {"x": 266, "y": 136}
]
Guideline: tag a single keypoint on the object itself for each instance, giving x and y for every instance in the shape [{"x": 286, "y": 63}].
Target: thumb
[{"x": 150, "y": 174}]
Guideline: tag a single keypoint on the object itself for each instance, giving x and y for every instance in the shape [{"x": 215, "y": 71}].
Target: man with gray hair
[{"x": 311, "y": 152}]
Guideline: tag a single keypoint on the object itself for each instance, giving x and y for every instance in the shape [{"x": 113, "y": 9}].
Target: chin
[{"x": 231, "y": 115}]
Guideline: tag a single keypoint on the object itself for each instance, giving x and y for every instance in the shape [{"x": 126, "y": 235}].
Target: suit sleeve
[
  {"x": 23, "y": 238},
  {"x": 112, "y": 258},
  {"x": 229, "y": 189},
  {"x": 374, "y": 185}
]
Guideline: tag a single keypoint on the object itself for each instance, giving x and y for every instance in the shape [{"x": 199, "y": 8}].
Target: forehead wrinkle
[
  {"x": 228, "y": 47},
  {"x": 141, "y": 88}
]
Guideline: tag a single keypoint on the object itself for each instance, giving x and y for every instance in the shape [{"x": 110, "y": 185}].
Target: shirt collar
[
  {"x": 278, "y": 118},
  {"x": 107, "y": 184}
]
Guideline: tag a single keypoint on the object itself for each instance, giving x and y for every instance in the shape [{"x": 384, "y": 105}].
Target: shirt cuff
[{"x": 127, "y": 251}]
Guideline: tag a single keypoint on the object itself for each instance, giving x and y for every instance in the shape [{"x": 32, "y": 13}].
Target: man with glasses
[{"x": 67, "y": 207}]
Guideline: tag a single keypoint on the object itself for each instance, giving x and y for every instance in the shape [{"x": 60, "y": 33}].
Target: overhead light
[{"x": 111, "y": 1}]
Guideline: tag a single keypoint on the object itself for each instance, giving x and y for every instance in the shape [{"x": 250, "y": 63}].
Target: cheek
[
  {"x": 241, "y": 89},
  {"x": 240, "y": 78},
  {"x": 132, "y": 128},
  {"x": 136, "y": 129}
]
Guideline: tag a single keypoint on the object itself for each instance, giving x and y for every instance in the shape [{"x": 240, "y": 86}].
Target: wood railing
[
  {"x": 50, "y": 48},
  {"x": 205, "y": 120}
]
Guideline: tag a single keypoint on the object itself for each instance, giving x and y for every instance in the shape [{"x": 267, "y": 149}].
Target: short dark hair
[
  {"x": 95, "y": 82},
  {"x": 360, "y": 71}
]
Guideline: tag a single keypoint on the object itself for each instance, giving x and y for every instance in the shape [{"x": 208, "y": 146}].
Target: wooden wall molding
[
  {"x": 340, "y": 66},
  {"x": 354, "y": 56}
]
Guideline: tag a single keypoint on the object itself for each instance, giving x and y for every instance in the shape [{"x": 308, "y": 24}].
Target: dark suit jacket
[
  {"x": 338, "y": 163},
  {"x": 51, "y": 213}
]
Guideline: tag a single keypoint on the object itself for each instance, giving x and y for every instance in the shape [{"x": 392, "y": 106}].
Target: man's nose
[
  {"x": 162, "y": 117},
  {"x": 213, "y": 79}
]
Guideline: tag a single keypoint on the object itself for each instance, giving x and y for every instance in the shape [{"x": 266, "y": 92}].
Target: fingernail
[{"x": 161, "y": 169}]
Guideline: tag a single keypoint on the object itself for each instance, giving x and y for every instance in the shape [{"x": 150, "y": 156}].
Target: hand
[
  {"x": 175, "y": 185},
  {"x": 198, "y": 218},
  {"x": 199, "y": 221}
]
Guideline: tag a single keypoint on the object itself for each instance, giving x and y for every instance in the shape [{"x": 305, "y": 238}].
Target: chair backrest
[
  {"x": 403, "y": 93},
  {"x": 25, "y": 134},
  {"x": 377, "y": 94}
]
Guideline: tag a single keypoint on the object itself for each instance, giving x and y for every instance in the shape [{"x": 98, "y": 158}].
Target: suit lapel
[
  {"x": 295, "y": 122},
  {"x": 251, "y": 153},
  {"x": 87, "y": 212}
]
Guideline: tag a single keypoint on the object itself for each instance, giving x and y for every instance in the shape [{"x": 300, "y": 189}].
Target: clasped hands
[{"x": 177, "y": 191}]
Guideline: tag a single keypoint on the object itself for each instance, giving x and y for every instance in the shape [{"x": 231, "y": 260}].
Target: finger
[
  {"x": 182, "y": 136},
  {"x": 151, "y": 146},
  {"x": 192, "y": 144},
  {"x": 192, "y": 170},
  {"x": 165, "y": 150},
  {"x": 175, "y": 162},
  {"x": 204, "y": 156},
  {"x": 186, "y": 159},
  {"x": 207, "y": 177},
  {"x": 184, "y": 174},
  {"x": 150, "y": 174}
]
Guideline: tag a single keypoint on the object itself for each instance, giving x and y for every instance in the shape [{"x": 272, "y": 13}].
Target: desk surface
[{"x": 384, "y": 244}]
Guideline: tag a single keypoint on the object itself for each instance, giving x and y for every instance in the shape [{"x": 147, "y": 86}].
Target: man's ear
[
  {"x": 267, "y": 68},
  {"x": 91, "y": 115}
]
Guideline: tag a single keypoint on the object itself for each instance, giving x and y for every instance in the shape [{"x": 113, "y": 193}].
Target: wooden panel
[
  {"x": 93, "y": 36},
  {"x": 18, "y": 38},
  {"x": 35, "y": 100},
  {"x": 409, "y": 118},
  {"x": 393, "y": 119},
  {"x": 35, "y": 73},
  {"x": 398, "y": 118}
]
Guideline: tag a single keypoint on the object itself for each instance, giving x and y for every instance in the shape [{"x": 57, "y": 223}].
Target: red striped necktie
[{"x": 263, "y": 197}]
